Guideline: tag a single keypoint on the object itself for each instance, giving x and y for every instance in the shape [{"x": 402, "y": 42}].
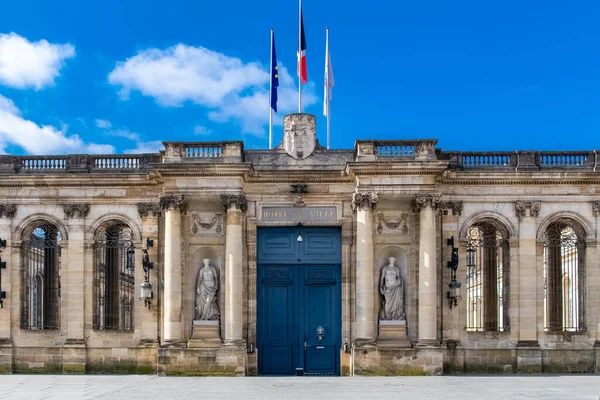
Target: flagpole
[
  {"x": 327, "y": 86},
  {"x": 299, "y": 55},
  {"x": 270, "y": 96}
]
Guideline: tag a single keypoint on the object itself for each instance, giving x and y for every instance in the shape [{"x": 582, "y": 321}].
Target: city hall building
[{"x": 394, "y": 257}]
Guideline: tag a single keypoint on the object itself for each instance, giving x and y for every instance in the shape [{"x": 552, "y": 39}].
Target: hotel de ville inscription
[{"x": 294, "y": 214}]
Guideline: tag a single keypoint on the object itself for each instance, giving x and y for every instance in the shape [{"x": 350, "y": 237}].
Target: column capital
[
  {"x": 596, "y": 208},
  {"x": 171, "y": 201},
  {"x": 239, "y": 200},
  {"x": 452, "y": 205},
  {"x": 422, "y": 200},
  {"x": 521, "y": 207},
  {"x": 364, "y": 201},
  {"x": 148, "y": 209},
  {"x": 76, "y": 210},
  {"x": 8, "y": 210}
]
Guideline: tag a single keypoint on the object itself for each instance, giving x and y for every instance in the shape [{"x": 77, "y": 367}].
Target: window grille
[
  {"x": 564, "y": 253},
  {"x": 487, "y": 278},
  {"x": 40, "y": 274},
  {"x": 114, "y": 283}
]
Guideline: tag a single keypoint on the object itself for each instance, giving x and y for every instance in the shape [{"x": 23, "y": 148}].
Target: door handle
[{"x": 304, "y": 345}]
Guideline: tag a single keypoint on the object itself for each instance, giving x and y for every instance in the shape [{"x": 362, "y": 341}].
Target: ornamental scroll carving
[
  {"x": 394, "y": 224},
  {"x": 239, "y": 200},
  {"x": 171, "y": 201},
  {"x": 456, "y": 207},
  {"x": 424, "y": 199},
  {"x": 521, "y": 208},
  {"x": 364, "y": 201},
  {"x": 8, "y": 210},
  {"x": 76, "y": 210},
  {"x": 596, "y": 208},
  {"x": 203, "y": 224},
  {"x": 148, "y": 209}
]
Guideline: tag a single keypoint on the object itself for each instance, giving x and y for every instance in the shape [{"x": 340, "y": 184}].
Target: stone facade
[{"x": 399, "y": 199}]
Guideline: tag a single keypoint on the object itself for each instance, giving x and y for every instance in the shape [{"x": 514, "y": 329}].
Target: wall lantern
[
  {"x": 454, "y": 285},
  {"x": 471, "y": 257},
  {"x": 146, "y": 294}
]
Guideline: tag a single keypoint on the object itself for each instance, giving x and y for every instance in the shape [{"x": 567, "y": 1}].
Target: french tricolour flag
[{"x": 302, "y": 53}]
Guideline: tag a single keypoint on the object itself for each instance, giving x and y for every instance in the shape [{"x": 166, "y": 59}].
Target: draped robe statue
[
  {"x": 392, "y": 289},
  {"x": 206, "y": 293}
]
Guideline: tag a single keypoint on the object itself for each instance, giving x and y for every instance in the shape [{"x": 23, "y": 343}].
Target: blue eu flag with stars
[{"x": 274, "y": 76}]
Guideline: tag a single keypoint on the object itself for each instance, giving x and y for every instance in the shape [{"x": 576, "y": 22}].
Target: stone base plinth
[
  {"x": 205, "y": 334},
  {"x": 393, "y": 334},
  {"x": 375, "y": 360}
]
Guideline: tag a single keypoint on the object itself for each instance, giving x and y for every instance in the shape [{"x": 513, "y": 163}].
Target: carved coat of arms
[{"x": 300, "y": 135}]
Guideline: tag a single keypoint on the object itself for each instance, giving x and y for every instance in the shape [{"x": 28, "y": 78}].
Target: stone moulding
[
  {"x": 394, "y": 226},
  {"x": 239, "y": 200},
  {"x": 171, "y": 201},
  {"x": 455, "y": 206},
  {"x": 148, "y": 209},
  {"x": 8, "y": 210},
  {"x": 424, "y": 199},
  {"x": 364, "y": 201},
  {"x": 596, "y": 208},
  {"x": 206, "y": 224},
  {"x": 521, "y": 207},
  {"x": 76, "y": 210}
]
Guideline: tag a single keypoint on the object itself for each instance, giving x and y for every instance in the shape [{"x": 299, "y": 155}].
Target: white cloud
[
  {"x": 41, "y": 139},
  {"x": 103, "y": 124},
  {"x": 146, "y": 147},
  {"x": 202, "y": 130},
  {"x": 228, "y": 87},
  {"x": 25, "y": 64}
]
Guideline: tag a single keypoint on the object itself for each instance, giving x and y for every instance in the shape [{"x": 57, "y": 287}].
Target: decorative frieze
[
  {"x": 424, "y": 199},
  {"x": 203, "y": 224},
  {"x": 148, "y": 209},
  {"x": 76, "y": 210},
  {"x": 171, "y": 201},
  {"x": 596, "y": 208},
  {"x": 456, "y": 207},
  {"x": 8, "y": 210},
  {"x": 521, "y": 207},
  {"x": 366, "y": 200},
  {"x": 239, "y": 200},
  {"x": 392, "y": 224}
]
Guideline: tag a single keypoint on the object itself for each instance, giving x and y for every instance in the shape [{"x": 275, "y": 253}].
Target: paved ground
[{"x": 31, "y": 387}]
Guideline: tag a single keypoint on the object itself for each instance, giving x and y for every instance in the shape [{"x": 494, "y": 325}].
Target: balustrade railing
[
  {"x": 39, "y": 163},
  {"x": 115, "y": 162},
  {"x": 565, "y": 159},
  {"x": 523, "y": 160},
  {"x": 203, "y": 150},
  {"x": 395, "y": 149}
]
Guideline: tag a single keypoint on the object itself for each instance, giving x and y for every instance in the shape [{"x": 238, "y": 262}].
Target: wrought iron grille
[
  {"x": 114, "y": 283},
  {"x": 40, "y": 274},
  {"x": 564, "y": 255},
  {"x": 487, "y": 278}
]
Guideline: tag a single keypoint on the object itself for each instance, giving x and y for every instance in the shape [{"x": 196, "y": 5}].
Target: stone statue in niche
[
  {"x": 392, "y": 289},
  {"x": 206, "y": 293}
]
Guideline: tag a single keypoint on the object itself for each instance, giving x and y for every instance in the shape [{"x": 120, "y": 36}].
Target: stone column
[
  {"x": 7, "y": 212},
  {"x": 235, "y": 204},
  {"x": 593, "y": 289},
  {"x": 147, "y": 317},
  {"x": 73, "y": 275},
  {"x": 451, "y": 211},
  {"x": 426, "y": 202},
  {"x": 366, "y": 322},
  {"x": 173, "y": 327},
  {"x": 529, "y": 357},
  {"x": 73, "y": 289}
]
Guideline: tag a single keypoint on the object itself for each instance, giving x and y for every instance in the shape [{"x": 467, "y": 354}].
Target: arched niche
[
  {"x": 401, "y": 262},
  {"x": 190, "y": 283}
]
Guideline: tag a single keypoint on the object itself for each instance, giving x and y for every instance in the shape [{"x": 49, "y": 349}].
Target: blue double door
[{"x": 299, "y": 301}]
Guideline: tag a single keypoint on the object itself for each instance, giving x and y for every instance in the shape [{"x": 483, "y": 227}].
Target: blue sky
[{"x": 121, "y": 76}]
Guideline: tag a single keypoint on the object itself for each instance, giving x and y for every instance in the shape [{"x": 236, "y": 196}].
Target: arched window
[
  {"x": 487, "y": 277},
  {"x": 40, "y": 294},
  {"x": 564, "y": 251},
  {"x": 114, "y": 284}
]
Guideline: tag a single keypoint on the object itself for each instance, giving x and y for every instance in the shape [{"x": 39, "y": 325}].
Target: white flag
[{"x": 328, "y": 79}]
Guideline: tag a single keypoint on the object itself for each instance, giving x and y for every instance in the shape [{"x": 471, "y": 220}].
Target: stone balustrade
[
  {"x": 76, "y": 163},
  {"x": 203, "y": 152},
  {"x": 395, "y": 150},
  {"x": 522, "y": 160}
]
